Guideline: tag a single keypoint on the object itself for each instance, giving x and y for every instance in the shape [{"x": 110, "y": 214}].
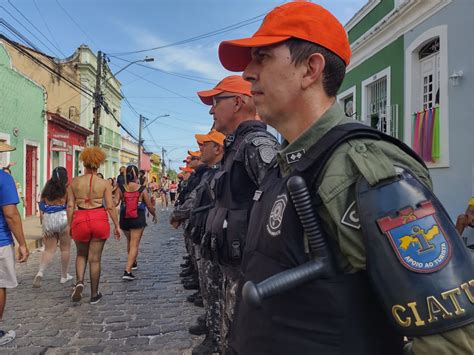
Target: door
[
  {"x": 77, "y": 163},
  {"x": 31, "y": 166}
]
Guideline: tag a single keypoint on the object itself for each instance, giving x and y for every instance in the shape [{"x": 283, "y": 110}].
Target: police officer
[
  {"x": 210, "y": 278},
  {"x": 296, "y": 62},
  {"x": 249, "y": 151}
]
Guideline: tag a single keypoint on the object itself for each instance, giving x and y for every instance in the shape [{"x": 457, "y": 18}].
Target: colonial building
[
  {"x": 65, "y": 137},
  {"x": 22, "y": 125},
  {"x": 110, "y": 138},
  {"x": 409, "y": 76},
  {"x": 128, "y": 152}
]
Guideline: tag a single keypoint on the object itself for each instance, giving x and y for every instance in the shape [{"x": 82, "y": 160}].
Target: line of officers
[
  {"x": 214, "y": 205},
  {"x": 240, "y": 223}
]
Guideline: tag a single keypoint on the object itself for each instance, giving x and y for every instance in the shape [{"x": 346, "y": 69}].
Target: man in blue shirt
[{"x": 10, "y": 223}]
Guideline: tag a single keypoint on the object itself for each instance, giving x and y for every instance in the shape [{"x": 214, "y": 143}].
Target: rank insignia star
[{"x": 295, "y": 156}]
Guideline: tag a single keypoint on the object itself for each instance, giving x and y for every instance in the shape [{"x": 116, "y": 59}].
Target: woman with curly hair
[
  {"x": 88, "y": 220},
  {"x": 53, "y": 218}
]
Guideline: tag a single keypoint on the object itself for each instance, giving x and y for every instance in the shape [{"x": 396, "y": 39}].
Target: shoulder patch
[
  {"x": 267, "y": 154},
  {"x": 417, "y": 238},
  {"x": 258, "y": 141},
  {"x": 351, "y": 216}
]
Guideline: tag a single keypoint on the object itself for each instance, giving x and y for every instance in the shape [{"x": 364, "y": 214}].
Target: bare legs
[
  {"x": 3, "y": 301},
  {"x": 89, "y": 252},
  {"x": 95, "y": 254},
  {"x": 65, "y": 247},
  {"x": 133, "y": 241},
  {"x": 50, "y": 245}
]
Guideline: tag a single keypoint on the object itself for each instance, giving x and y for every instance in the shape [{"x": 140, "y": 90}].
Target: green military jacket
[{"x": 375, "y": 161}]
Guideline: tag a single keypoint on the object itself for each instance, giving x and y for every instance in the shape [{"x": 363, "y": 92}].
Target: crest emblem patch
[
  {"x": 276, "y": 215},
  {"x": 418, "y": 240}
]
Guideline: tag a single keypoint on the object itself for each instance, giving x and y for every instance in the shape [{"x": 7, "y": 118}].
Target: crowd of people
[{"x": 330, "y": 242}]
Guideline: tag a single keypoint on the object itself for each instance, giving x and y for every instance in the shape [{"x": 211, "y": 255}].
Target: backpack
[{"x": 131, "y": 199}]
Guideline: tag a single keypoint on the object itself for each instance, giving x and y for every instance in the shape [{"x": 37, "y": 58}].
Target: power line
[
  {"x": 165, "y": 89},
  {"x": 73, "y": 21},
  {"x": 36, "y": 28},
  {"x": 199, "y": 37},
  {"x": 47, "y": 28},
  {"x": 179, "y": 75},
  {"x": 8, "y": 25},
  {"x": 72, "y": 83}
]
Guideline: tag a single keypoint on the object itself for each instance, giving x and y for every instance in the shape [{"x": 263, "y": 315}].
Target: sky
[{"x": 58, "y": 27}]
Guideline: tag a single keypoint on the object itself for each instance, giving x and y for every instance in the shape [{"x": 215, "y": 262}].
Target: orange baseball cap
[
  {"x": 233, "y": 83},
  {"x": 302, "y": 20},
  {"x": 187, "y": 159},
  {"x": 196, "y": 154},
  {"x": 212, "y": 136},
  {"x": 186, "y": 169}
]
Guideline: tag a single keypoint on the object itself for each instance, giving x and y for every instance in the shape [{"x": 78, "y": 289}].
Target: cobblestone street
[{"x": 148, "y": 315}]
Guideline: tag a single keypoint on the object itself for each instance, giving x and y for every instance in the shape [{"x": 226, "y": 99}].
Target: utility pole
[
  {"x": 163, "y": 161},
  {"x": 140, "y": 142},
  {"x": 97, "y": 99}
]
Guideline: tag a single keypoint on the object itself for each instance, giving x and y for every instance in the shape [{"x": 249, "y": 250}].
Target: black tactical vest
[
  {"x": 340, "y": 315},
  {"x": 233, "y": 190},
  {"x": 202, "y": 204}
]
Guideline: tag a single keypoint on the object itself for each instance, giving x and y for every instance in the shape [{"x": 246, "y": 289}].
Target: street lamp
[
  {"x": 140, "y": 128},
  {"x": 147, "y": 59}
]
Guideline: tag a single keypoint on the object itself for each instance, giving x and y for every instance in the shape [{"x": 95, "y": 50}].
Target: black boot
[
  {"x": 186, "y": 272},
  {"x": 191, "y": 285},
  {"x": 198, "y": 329},
  {"x": 205, "y": 348},
  {"x": 192, "y": 297},
  {"x": 198, "y": 302}
]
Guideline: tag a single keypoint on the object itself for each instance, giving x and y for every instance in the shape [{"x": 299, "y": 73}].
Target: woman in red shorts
[{"x": 89, "y": 222}]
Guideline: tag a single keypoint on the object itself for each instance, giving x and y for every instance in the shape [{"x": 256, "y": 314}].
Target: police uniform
[
  {"x": 210, "y": 277},
  {"x": 248, "y": 153},
  {"x": 182, "y": 210},
  {"x": 341, "y": 314}
]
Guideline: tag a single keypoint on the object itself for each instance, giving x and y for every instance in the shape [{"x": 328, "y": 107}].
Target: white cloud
[{"x": 194, "y": 57}]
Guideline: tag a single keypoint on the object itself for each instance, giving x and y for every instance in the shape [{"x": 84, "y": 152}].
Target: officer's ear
[
  {"x": 313, "y": 70},
  {"x": 238, "y": 103}
]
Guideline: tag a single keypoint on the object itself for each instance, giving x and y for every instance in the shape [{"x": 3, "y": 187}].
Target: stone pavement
[{"x": 148, "y": 315}]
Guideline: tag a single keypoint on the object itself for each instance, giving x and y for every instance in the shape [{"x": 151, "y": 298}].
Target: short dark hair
[{"x": 335, "y": 68}]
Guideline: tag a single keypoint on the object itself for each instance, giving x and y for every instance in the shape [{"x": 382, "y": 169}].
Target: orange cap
[
  {"x": 187, "y": 159},
  {"x": 212, "y": 136},
  {"x": 186, "y": 169},
  {"x": 233, "y": 83},
  {"x": 197, "y": 153},
  {"x": 303, "y": 20}
]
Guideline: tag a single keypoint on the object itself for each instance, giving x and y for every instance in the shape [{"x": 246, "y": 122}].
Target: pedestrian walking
[
  {"x": 164, "y": 189},
  {"x": 53, "y": 217},
  {"x": 88, "y": 221},
  {"x": 393, "y": 254},
  {"x": 173, "y": 191},
  {"x": 10, "y": 223},
  {"x": 135, "y": 200}
]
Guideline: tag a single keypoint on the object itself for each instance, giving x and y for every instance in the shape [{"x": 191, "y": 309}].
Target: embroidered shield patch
[
  {"x": 276, "y": 215},
  {"x": 418, "y": 240}
]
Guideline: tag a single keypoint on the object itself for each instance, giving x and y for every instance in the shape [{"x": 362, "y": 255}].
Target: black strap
[{"x": 314, "y": 161}]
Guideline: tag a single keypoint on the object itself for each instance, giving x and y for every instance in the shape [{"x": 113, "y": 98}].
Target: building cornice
[
  {"x": 409, "y": 14},
  {"x": 359, "y": 15}
]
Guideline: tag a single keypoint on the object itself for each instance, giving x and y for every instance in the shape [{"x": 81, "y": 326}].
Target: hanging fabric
[{"x": 426, "y": 134}]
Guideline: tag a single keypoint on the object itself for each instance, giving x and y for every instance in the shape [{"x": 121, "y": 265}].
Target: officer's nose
[
  {"x": 250, "y": 72},
  {"x": 211, "y": 111}
]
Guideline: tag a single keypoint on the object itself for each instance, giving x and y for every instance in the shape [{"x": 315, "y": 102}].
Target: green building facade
[{"x": 22, "y": 124}]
